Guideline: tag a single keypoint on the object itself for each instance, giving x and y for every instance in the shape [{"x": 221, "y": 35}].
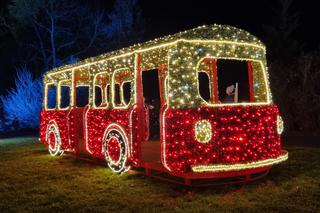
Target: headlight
[
  {"x": 203, "y": 131},
  {"x": 280, "y": 125}
]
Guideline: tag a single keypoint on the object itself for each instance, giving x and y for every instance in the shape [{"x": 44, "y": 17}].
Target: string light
[
  {"x": 203, "y": 131},
  {"x": 280, "y": 125},
  {"x": 54, "y": 140},
  {"x": 240, "y": 134},
  {"x": 216, "y": 41},
  {"x": 240, "y": 166},
  {"x": 116, "y": 148},
  {"x": 232, "y": 136}
]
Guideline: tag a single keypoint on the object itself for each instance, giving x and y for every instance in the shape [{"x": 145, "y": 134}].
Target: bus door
[
  {"x": 154, "y": 101},
  {"x": 81, "y": 92}
]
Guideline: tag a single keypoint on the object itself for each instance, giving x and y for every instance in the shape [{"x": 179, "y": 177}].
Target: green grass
[{"x": 32, "y": 180}]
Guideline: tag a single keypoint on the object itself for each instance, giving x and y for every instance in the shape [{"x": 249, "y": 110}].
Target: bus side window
[
  {"x": 51, "y": 97},
  {"x": 82, "y": 96},
  {"x": 126, "y": 92},
  {"x": 204, "y": 86},
  {"x": 65, "y": 97},
  {"x": 117, "y": 96},
  {"x": 98, "y": 96},
  {"x": 108, "y": 93}
]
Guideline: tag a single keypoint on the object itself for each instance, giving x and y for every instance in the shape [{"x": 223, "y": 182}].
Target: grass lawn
[{"x": 32, "y": 180}]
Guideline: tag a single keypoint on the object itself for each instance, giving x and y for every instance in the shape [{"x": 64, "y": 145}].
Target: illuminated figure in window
[{"x": 230, "y": 98}]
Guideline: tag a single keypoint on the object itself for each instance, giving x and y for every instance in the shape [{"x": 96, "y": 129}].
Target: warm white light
[
  {"x": 239, "y": 166},
  {"x": 203, "y": 131},
  {"x": 280, "y": 125},
  {"x": 56, "y": 149}
]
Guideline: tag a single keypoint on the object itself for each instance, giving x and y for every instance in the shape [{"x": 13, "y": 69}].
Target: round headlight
[
  {"x": 203, "y": 131},
  {"x": 280, "y": 125}
]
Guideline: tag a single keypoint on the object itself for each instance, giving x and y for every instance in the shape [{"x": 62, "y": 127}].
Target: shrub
[{"x": 22, "y": 105}]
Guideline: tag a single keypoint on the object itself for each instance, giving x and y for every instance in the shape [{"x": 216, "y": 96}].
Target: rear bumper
[{"x": 240, "y": 166}]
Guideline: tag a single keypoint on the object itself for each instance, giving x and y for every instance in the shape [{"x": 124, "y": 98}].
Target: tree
[
  {"x": 22, "y": 105},
  {"x": 126, "y": 23},
  {"x": 279, "y": 35},
  {"x": 63, "y": 32},
  {"x": 51, "y": 33},
  {"x": 54, "y": 24},
  {"x": 296, "y": 91}
]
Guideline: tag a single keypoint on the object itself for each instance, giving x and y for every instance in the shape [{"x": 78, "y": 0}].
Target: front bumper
[{"x": 240, "y": 166}]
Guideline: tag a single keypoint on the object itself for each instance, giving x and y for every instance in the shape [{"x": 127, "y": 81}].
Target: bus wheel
[
  {"x": 116, "y": 151},
  {"x": 54, "y": 140}
]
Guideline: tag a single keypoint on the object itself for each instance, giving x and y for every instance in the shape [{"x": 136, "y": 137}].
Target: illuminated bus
[{"x": 196, "y": 105}]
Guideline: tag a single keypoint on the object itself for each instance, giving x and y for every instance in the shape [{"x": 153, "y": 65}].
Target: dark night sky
[{"x": 169, "y": 16}]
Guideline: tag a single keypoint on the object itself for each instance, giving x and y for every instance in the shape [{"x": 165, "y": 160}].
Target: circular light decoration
[
  {"x": 54, "y": 140},
  {"x": 203, "y": 131},
  {"x": 116, "y": 151},
  {"x": 280, "y": 125}
]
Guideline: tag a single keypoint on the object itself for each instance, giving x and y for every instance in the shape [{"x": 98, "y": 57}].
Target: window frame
[
  {"x": 88, "y": 103},
  {"x": 114, "y": 82},
  {"x": 122, "y": 92},
  {"x": 46, "y": 96},
  {"x": 115, "y": 105},
  {"x": 210, "y": 89},
  {"x": 213, "y": 83},
  {"x": 247, "y": 60},
  {"x": 59, "y": 95},
  {"x": 104, "y": 103},
  {"x": 94, "y": 97},
  {"x": 109, "y": 95}
]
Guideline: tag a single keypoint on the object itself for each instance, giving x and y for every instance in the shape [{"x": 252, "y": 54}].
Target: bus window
[
  {"x": 97, "y": 96},
  {"x": 122, "y": 87},
  {"x": 126, "y": 92},
  {"x": 204, "y": 86},
  {"x": 232, "y": 76},
  {"x": 82, "y": 96},
  {"x": 101, "y": 80},
  {"x": 64, "y": 97},
  {"x": 117, "y": 97},
  {"x": 108, "y": 93},
  {"x": 51, "y": 97}
]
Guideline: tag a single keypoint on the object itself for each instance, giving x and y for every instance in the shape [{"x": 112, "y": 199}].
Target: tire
[
  {"x": 54, "y": 140},
  {"x": 116, "y": 150}
]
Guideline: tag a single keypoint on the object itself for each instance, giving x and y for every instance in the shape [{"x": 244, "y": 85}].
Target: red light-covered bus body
[{"x": 197, "y": 137}]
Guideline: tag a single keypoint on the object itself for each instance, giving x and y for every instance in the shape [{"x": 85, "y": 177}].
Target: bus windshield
[{"x": 223, "y": 81}]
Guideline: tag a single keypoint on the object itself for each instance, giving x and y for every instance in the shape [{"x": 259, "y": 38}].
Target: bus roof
[{"x": 206, "y": 32}]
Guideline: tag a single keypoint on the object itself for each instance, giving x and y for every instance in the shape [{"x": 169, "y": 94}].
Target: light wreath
[
  {"x": 56, "y": 150},
  {"x": 120, "y": 164}
]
